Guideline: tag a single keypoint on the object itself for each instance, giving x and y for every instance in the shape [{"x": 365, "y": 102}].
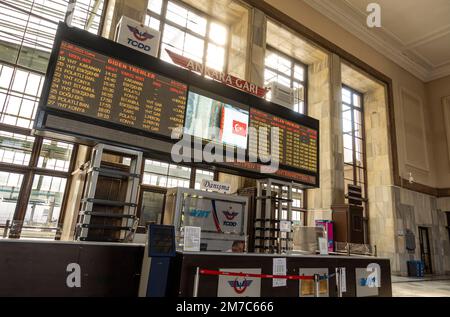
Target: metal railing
[{"x": 355, "y": 249}]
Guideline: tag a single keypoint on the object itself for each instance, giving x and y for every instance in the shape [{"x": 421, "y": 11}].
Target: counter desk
[
  {"x": 186, "y": 263},
  {"x": 41, "y": 268}
]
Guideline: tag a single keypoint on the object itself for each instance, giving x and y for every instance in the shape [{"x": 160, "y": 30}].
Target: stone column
[
  {"x": 257, "y": 47},
  {"x": 379, "y": 177},
  {"x": 254, "y": 73},
  {"x": 238, "y": 46},
  {"x": 324, "y": 104}
]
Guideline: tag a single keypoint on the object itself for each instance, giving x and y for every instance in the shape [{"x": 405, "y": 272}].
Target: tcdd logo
[
  {"x": 230, "y": 215},
  {"x": 140, "y": 36},
  {"x": 240, "y": 287}
]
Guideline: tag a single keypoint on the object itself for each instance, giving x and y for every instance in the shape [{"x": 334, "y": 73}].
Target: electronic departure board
[
  {"x": 97, "y": 90},
  {"x": 297, "y": 144},
  {"x": 101, "y": 87}
]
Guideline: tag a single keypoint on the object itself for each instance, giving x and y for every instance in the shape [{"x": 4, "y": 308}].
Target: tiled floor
[{"x": 407, "y": 287}]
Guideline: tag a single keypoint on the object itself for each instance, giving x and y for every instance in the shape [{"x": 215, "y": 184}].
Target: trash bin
[{"x": 415, "y": 268}]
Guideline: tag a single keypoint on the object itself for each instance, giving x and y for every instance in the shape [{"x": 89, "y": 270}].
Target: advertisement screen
[{"x": 217, "y": 121}]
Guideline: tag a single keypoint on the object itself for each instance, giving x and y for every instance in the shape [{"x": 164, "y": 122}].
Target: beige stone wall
[
  {"x": 438, "y": 96},
  {"x": 324, "y": 99},
  {"x": 402, "y": 81},
  {"x": 379, "y": 173},
  {"x": 413, "y": 210}
]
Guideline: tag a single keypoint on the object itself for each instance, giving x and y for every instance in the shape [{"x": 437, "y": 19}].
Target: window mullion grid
[
  {"x": 353, "y": 141},
  {"x": 205, "y": 46},
  {"x": 25, "y": 190},
  {"x": 162, "y": 24},
  {"x": 292, "y": 74}
]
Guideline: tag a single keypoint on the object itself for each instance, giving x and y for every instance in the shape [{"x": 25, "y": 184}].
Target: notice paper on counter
[
  {"x": 323, "y": 246},
  {"x": 192, "y": 238},
  {"x": 279, "y": 268}
]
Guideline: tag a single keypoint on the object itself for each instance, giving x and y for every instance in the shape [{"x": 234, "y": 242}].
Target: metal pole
[
  {"x": 196, "y": 281},
  {"x": 339, "y": 281},
  {"x": 316, "y": 285},
  {"x": 5, "y": 232},
  {"x": 70, "y": 12}
]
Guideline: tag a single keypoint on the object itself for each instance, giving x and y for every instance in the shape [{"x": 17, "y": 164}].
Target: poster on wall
[
  {"x": 362, "y": 286},
  {"x": 236, "y": 286},
  {"x": 307, "y": 286}
]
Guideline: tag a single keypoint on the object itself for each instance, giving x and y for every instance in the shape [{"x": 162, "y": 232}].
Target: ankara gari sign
[
  {"x": 227, "y": 79},
  {"x": 133, "y": 34}
]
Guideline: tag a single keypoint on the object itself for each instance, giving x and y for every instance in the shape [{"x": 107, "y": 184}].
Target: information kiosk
[{"x": 159, "y": 249}]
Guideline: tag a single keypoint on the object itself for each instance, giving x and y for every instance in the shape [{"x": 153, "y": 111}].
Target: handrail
[{"x": 270, "y": 276}]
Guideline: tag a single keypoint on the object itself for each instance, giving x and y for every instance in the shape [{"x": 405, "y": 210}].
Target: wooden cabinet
[{"x": 349, "y": 223}]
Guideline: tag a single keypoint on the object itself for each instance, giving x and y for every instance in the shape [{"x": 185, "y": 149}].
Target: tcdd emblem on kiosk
[
  {"x": 141, "y": 36},
  {"x": 230, "y": 215},
  {"x": 240, "y": 287}
]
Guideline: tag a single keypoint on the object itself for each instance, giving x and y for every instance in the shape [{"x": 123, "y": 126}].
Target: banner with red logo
[
  {"x": 227, "y": 79},
  {"x": 239, "y": 286},
  {"x": 234, "y": 127}
]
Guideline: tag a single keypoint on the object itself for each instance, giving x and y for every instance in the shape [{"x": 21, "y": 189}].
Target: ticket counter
[{"x": 186, "y": 264}]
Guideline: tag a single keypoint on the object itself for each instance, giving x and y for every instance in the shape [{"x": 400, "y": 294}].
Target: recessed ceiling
[{"x": 414, "y": 33}]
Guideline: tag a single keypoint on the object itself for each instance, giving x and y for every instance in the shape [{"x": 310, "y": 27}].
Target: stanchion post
[
  {"x": 196, "y": 281},
  {"x": 5, "y": 231},
  {"x": 316, "y": 285},
  {"x": 339, "y": 281}
]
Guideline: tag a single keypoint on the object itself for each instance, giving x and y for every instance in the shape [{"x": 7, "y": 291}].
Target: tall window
[
  {"x": 354, "y": 139},
  {"x": 27, "y": 31},
  {"x": 168, "y": 175},
  {"x": 298, "y": 206},
  {"x": 28, "y": 28},
  {"x": 19, "y": 96},
  {"x": 189, "y": 33},
  {"x": 10, "y": 184},
  {"x": 288, "y": 72}
]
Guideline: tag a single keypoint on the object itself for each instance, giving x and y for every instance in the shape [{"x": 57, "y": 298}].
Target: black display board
[
  {"x": 97, "y": 90},
  {"x": 104, "y": 88}
]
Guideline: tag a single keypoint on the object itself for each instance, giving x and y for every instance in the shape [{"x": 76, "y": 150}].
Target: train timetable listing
[
  {"x": 297, "y": 144},
  {"x": 97, "y": 86}
]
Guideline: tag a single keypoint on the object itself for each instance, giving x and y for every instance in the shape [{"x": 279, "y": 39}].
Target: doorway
[
  {"x": 425, "y": 251},
  {"x": 151, "y": 206}
]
